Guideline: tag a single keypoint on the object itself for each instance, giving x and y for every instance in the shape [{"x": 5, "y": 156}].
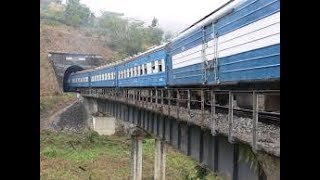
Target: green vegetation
[
  {"x": 90, "y": 156},
  {"x": 246, "y": 155},
  {"x": 126, "y": 36},
  {"x": 54, "y": 102}
]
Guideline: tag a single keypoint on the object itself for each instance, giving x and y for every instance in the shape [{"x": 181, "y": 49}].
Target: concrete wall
[{"x": 104, "y": 125}]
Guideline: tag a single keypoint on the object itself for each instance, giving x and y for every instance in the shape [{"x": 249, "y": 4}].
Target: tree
[
  {"x": 77, "y": 14},
  {"x": 154, "y": 22},
  {"x": 128, "y": 36},
  {"x": 167, "y": 36}
]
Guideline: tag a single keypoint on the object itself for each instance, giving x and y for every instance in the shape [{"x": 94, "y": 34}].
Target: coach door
[{"x": 209, "y": 54}]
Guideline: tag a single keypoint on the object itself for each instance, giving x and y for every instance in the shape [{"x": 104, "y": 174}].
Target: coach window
[
  {"x": 156, "y": 69},
  {"x": 153, "y": 67},
  {"x": 145, "y": 69},
  {"x": 160, "y": 65},
  {"x": 141, "y": 69},
  {"x": 137, "y": 70}
]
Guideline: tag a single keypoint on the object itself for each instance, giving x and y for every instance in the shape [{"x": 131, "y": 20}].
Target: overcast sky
[{"x": 173, "y": 15}]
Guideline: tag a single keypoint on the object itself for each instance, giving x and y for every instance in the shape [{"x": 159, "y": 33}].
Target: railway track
[{"x": 265, "y": 117}]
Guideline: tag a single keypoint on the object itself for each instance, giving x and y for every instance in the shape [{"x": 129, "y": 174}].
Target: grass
[
  {"x": 54, "y": 102},
  {"x": 90, "y": 156}
]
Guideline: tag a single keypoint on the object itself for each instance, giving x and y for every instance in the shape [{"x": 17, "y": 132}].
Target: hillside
[
  {"x": 60, "y": 37},
  {"x": 66, "y": 39}
]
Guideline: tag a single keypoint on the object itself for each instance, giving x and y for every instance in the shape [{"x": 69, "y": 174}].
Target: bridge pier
[
  {"x": 160, "y": 160},
  {"x": 136, "y": 157}
]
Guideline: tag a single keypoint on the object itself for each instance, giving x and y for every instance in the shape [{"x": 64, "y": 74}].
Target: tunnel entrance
[{"x": 71, "y": 69}]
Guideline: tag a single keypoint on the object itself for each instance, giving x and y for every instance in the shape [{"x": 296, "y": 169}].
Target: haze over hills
[{"x": 167, "y": 25}]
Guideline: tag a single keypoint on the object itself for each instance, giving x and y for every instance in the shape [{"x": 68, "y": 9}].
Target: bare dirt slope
[{"x": 66, "y": 39}]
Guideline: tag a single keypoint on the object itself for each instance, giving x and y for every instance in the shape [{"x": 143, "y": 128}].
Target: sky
[{"x": 172, "y": 15}]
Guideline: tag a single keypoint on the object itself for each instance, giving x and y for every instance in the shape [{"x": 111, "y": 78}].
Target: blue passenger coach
[
  {"x": 144, "y": 70},
  {"x": 79, "y": 79},
  {"x": 103, "y": 77},
  {"x": 239, "y": 42}
]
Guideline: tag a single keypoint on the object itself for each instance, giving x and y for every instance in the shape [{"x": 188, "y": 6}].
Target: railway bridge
[
  {"x": 215, "y": 127},
  {"x": 216, "y": 135}
]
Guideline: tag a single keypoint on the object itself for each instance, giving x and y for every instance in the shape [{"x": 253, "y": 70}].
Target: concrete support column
[
  {"x": 94, "y": 106},
  {"x": 136, "y": 158},
  {"x": 160, "y": 160}
]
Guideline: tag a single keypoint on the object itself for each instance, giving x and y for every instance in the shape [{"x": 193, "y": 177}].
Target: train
[{"x": 239, "y": 43}]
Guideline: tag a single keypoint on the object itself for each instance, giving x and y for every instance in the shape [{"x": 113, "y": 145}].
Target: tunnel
[{"x": 66, "y": 75}]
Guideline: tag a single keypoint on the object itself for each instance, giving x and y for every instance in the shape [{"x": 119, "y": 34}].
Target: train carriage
[
  {"x": 239, "y": 42},
  {"x": 145, "y": 70},
  {"x": 103, "y": 77},
  {"x": 79, "y": 80}
]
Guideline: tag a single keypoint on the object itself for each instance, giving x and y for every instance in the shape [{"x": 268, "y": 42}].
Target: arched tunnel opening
[{"x": 71, "y": 69}]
